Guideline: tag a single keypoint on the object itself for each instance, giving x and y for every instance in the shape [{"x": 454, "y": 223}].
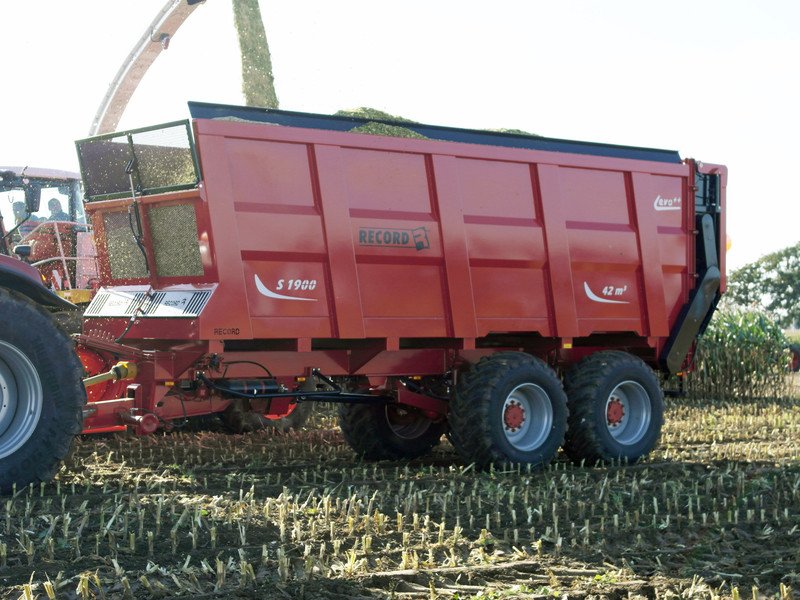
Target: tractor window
[
  {"x": 12, "y": 209},
  {"x": 76, "y": 192},
  {"x": 58, "y": 203},
  {"x": 55, "y": 205},
  {"x": 7, "y": 200}
]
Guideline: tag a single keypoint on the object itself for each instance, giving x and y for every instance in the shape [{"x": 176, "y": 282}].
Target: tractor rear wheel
[
  {"x": 510, "y": 407},
  {"x": 41, "y": 393},
  {"x": 616, "y": 408},
  {"x": 388, "y": 431}
]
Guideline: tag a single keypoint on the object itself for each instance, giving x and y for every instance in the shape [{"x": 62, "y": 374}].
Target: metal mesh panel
[
  {"x": 174, "y": 233},
  {"x": 103, "y": 163},
  {"x": 161, "y": 158},
  {"x": 127, "y": 260},
  {"x": 164, "y": 157}
]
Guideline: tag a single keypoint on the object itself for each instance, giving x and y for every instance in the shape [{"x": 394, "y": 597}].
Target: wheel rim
[
  {"x": 406, "y": 424},
  {"x": 21, "y": 399},
  {"x": 527, "y": 417},
  {"x": 628, "y": 413}
]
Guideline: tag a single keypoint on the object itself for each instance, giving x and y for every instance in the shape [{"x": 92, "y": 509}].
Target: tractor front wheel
[{"x": 41, "y": 393}]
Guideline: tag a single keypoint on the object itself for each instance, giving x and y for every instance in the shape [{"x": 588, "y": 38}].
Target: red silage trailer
[{"x": 516, "y": 292}]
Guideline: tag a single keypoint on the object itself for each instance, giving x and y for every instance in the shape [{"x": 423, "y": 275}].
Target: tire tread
[
  {"x": 55, "y": 433},
  {"x": 584, "y": 384},
  {"x": 366, "y": 431},
  {"x": 469, "y": 418}
]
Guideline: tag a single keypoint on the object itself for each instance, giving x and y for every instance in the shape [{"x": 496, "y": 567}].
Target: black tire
[
  {"x": 40, "y": 376},
  {"x": 795, "y": 364},
  {"x": 616, "y": 408},
  {"x": 388, "y": 431},
  {"x": 238, "y": 418},
  {"x": 496, "y": 389}
]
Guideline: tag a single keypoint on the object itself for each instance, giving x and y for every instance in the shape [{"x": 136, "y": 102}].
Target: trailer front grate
[{"x": 174, "y": 231}]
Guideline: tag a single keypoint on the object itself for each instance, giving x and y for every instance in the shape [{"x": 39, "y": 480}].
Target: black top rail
[{"x": 204, "y": 110}]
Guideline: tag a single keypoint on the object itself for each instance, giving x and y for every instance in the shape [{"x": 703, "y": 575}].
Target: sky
[{"x": 716, "y": 80}]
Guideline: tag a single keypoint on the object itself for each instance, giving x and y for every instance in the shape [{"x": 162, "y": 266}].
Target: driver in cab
[
  {"x": 56, "y": 211},
  {"x": 25, "y": 223}
]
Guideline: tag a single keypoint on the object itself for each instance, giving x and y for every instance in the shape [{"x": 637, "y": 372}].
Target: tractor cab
[{"x": 42, "y": 222}]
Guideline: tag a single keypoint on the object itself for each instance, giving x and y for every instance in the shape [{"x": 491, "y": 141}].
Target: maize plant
[{"x": 742, "y": 355}]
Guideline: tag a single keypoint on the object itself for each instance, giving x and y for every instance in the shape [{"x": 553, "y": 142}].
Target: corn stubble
[{"x": 714, "y": 512}]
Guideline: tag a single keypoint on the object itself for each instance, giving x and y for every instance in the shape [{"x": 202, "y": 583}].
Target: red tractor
[{"x": 515, "y": 292}]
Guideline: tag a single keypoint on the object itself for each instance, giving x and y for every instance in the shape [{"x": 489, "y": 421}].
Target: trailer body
[{"x": 282, "y": 242}]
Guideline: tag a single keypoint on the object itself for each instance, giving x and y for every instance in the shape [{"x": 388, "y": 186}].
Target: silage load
[{"x": 376, "y": 128}]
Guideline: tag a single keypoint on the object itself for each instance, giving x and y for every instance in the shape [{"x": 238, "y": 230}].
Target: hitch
[{"x": 121, "y": 370}]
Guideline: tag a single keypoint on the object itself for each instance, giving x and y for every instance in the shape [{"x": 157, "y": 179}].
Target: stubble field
[{"x": 713, "y": 512}]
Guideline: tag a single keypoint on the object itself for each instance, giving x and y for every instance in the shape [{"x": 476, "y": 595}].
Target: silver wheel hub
[
  {"x": 21, "y": 399},
  {"x": 527, "y": 417},
  {"x": 628, "y": 413}
]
